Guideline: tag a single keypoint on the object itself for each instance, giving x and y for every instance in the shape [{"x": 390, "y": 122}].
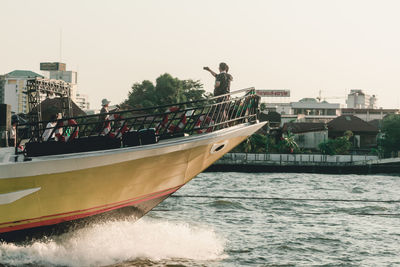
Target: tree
[
  {"x": 338, "y": 146},
  {"x": 288, "y": 144},
  {"x": 142, "y": 95},
  {"x": 256, "y": 143},
  {"x": 168, "y": 90},
  {"x": 391, "y": 134}
]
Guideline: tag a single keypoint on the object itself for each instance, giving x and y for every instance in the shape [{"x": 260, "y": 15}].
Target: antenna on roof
[
  {"x": 319, "y": 96},
  {"x": 60, "y": 45}
]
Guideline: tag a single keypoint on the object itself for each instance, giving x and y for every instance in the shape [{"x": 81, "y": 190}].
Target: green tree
[
  {"x": 256, "y": 143},
  {"x": 391, "y": 134},
  {"x": 338, "y": 146},
  {"x": 168, "y": 90},
  {"x": 288, "y": 144}
]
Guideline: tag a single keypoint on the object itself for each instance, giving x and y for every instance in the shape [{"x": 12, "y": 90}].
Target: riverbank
[{"x": 307, "y": 163}]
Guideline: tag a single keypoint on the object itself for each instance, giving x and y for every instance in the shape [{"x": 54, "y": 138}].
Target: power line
[
  {"x": 289, "y": 199},
  {"x": 319, "y": 213}
]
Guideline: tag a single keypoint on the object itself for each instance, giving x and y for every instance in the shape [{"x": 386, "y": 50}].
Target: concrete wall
[{"x": 293, "y": 158}]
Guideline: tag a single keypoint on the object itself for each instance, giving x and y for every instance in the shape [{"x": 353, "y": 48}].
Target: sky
[{"x": 310, "y": 47}]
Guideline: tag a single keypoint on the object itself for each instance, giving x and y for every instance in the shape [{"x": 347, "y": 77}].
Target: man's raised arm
[{"x": 209, "y": 70}]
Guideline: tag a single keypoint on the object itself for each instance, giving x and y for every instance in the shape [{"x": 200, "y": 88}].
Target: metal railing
[{"x": 166, "y": 121}]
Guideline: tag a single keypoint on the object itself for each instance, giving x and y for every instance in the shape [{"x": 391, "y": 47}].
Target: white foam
[{"x": 120, "y": 241}]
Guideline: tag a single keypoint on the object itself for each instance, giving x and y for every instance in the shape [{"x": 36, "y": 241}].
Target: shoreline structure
[{"x": 309, "y": 163}]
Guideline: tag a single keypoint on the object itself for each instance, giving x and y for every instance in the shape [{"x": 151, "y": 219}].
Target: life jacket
[
  {"x": 119, "y": 130},
  {"x": 203, "y": 122},
  {"x": 171, "y": 127},
  {"x": 61, "y": 125}
]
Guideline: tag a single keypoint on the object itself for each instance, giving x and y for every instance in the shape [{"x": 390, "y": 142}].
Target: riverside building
[
  {"x": 305, "y": 110},
  {"x": 357, "y": 99},
  {"x": 58, "y": 71},
  {"x": 13, "y": 87},
  {"x": 364, "y": 106},
  {"x": 82, "y": 101}
]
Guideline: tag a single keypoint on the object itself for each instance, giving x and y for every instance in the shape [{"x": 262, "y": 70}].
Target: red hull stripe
[
  {"x": 97, "y": 207},
  {"x": 87, "y": 213}
]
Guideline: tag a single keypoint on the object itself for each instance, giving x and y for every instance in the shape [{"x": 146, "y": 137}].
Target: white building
[
  {"x": 281, "y": 108},
  {"x": 305, "y": 110},
  {"x": 57, "y": 71},
  {"x": 357, "y": 99},
  {"x": 14, "y": 89},
  {"x": 69, "y": 77},
  {"x": 367, "y": 114},
  {"x": 82, "y": 101},
  {"x": 310, "y": 106}
]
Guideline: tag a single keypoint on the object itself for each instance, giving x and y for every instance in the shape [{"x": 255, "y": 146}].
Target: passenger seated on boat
[
  {"x": 49, "y": 133},
  {"x": 13, "y": 132},
  {"x": 103, "y": 115}
]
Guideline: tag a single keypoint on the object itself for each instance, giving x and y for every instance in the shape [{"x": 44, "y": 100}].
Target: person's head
[
  {"x": 223, "y": 67},
  {"x": 105, "y": 102},
  {"x": 14, "y": 120},
  {"x": 53, "y": 117}
]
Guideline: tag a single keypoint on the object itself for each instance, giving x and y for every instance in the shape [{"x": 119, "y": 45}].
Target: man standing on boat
[
  {"x": 221, "y": 87},
  {"x": 222, "y": 80}
]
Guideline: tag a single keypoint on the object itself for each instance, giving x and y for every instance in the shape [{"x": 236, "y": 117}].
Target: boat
[{"x": 122, "y": 162}]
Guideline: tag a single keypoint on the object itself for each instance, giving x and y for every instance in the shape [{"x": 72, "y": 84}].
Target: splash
[{"x": 119, "y": 241}]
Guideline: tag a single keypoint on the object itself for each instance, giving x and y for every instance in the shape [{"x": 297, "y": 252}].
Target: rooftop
[
  {"x": 351, "y": 123},
  {"x": 22, "y": 74}
]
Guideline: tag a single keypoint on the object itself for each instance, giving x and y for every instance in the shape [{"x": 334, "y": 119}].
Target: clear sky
[{"x": 301, "y": 45}]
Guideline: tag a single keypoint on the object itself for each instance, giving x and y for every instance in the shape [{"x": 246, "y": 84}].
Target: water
[{"x": 190, "y": 231}]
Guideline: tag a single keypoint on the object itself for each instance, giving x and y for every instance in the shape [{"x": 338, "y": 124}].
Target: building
[
  {"x": 369, "y": 114},
  {"x": 310, "y": 106},
  {"x": 308, "y": 135},
  {"x": 82, "y": 101},
  {"x": 2, "y": 83},
  {"x": 281, "y": 108},
  {"x": 305, "y": 110},
  {"x": 357, "y": 99},
  {"x": 14, "y": 88},
  {"x": 364, "y": 134},
  {"x": 57, "y": 71}
]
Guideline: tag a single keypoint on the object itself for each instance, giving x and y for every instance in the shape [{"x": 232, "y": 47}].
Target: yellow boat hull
[{"x": 53, "y": 190}]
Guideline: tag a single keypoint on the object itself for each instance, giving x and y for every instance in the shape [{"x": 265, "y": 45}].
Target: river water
[{"x": 242, "y": 219}]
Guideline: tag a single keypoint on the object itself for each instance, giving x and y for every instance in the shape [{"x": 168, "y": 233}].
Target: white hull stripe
[{"x": 8, "y": 198}]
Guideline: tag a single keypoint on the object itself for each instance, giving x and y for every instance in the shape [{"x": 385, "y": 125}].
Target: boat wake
[{"x": 115, "y": 242}]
